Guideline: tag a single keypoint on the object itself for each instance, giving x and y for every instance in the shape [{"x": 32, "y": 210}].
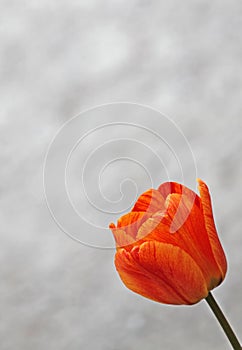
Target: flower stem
[{"x": 223, "y": 322}]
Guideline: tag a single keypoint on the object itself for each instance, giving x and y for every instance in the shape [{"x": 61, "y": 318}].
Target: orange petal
[
  {"x": 162, "y": 272},
  {"x": 121, "y": 238},
  {"x": 173, "y": 187},
  {"x": 131, "y": 222},
  {"x": 210, "y": 227},
  {"x": 149, "y": 201},
  {"x": 153, "y": 228},
  {"x": 170, "y": 187},
  {"x": 141, "y": 281}
]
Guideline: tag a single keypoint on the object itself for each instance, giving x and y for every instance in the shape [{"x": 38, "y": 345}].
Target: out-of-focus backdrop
[{"x": 59, "y": 58}]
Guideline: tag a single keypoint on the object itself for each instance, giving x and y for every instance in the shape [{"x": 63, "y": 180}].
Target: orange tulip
[{"x": 167, "y": 246}]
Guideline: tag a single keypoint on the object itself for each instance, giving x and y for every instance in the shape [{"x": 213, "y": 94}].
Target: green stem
[{"x": 223, "y": 322}]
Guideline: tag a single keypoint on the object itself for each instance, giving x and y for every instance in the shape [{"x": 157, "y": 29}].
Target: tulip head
[{"x": 168, "y": 249}]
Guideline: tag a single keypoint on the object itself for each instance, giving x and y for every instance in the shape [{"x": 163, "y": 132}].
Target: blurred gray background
[{"x": 59, "y": 58}]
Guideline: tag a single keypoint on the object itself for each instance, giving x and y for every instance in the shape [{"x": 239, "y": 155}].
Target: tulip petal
[
  {"x": 131, "y": 222},
  {"x": 170, "y": 187},
  {"x": 176, "y": 267},
  {"x": 173, "y": 187},
  {"x": 211, "y": 228},
  {"x": 141, "y": 281},
  {"x": 122, "y": 239},
  {"x": 149, "y": 201},
  {"x": 161, "y": 272}
]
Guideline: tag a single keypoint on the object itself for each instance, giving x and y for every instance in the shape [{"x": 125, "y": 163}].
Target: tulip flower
[{"x": 168, "y": 249}]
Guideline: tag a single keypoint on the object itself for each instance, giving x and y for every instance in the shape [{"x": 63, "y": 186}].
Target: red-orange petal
[
  {"x": 141, "y": 281},
  {"x": 122, "y": 239},
  {"x": 149, "y": 201},
  {"x": 173, "y": 187},
  {"x": 161, "y": 272},
  {"x": 131, "y": 222},
  {"x": 211, "y": 228}
]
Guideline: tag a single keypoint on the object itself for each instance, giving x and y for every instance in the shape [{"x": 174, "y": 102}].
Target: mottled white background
[{"x": 61, "y": 57}]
